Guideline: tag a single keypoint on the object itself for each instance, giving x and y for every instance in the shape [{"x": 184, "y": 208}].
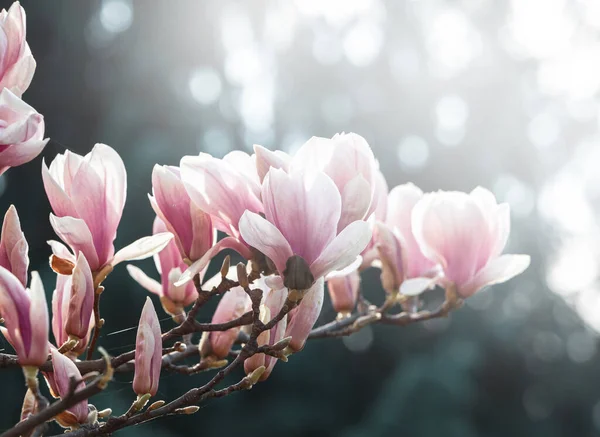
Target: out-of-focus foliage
[{"x": 450, "y": 94}]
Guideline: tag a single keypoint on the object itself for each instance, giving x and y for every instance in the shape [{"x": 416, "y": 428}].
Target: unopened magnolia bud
[
  {"x": 103, "y": 414},
  {"x": 187, "y": 410},
  {"x": 225, "y": 266},
  {"x": 155, "y": 405},
  {"x": 297, "y": 274},
  {"x": 254, "y": 377},
  {"x": 282, "y": 344},
  {"x": 242, "y": 275}
]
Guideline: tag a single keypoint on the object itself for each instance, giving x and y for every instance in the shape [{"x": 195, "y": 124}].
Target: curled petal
[
  {"x": 77, "y": 235},
  {"x": 304, "y": 317},
  {"x": 144, "y": 280},
  {"x": 498, "y": 270}
]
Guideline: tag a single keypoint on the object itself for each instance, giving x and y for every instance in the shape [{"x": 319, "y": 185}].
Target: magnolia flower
[
  {"x": 17, "y": 64},
  {"x": 403, "y": 263},
  {"x": 13, "y": 246},
  {"x": 223, "y": 188},
  {"x": 380, "y": 197},
  {"x": 300, "y": 227},
  {"x": 466, "y": 234},
  {"x": 148, "y": 352},
  {"x": 59, "y": 382},
  {"x": 194, "y": 234},
  {"x": 273, "y": 301},
  {"x": 87, "y": 195},
  {"x": 302, "y": 318},
  {"x": 25, "y": 318},
  {"x": 169, "y": 265},
  {"x": 232, "y": 305},
  {"x": 21, "y": 131},
  {"x": 343, "y": 290},
  {"x": 72, "y": 306}
]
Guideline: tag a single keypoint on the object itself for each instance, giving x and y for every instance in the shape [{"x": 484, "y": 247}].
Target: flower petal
[
  {"x": 143, "y": 248},
  {"x": 152, "y": 285},
  {"x": 77, "y": 235},
  {"x": 343, "y": 250},
  {"x": 266, "y": 159},
  {"x": 356, "y": 198},
  {"x": 498, "y": 270},
  {"x": 266, "y": 238}
]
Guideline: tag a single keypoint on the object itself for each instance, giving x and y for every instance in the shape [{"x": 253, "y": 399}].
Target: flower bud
[
  {"x": 13, "y": 246},
  {"x": 148, "y": 352},
  {"x": 304, "y": 316},
  {"x": 343, "y": 291}
]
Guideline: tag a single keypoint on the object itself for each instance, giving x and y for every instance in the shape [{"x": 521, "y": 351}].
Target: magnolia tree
[{"x": 302, "y": 222}]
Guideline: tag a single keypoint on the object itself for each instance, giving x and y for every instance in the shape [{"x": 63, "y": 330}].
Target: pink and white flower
[
  {"x": 25, "y": 314},
  {"x": 59, "y": 381},
  {"x": 466, "y": 234},
  {"x": 148, "y": 352},
  {"x": 192, "y": 228},
  {"x": 21, "y": 131},
  {"x": 403, "y": 263},
  {"x": 72, "y": 306},
  {"x": 225, "y": 189},
  {"x": 343, "y": 290},
  {"x": 301, "y": 219},
  {"x": 87, "y": 195},
  {"x": 302, "y": 318},
  {"x": 13, "y": 246},
  {"x": 17, "y": 64}
]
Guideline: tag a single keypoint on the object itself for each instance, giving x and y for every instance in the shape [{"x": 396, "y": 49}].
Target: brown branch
[{"x": 97, "y": 323}]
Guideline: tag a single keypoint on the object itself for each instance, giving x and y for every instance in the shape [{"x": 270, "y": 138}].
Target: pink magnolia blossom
[
  {"x": 404, "y": 265},
  {"x": 16, "y": 61},
  {"x": 232, "y": 305},
  {"x": 25, "y": 316},
  {"x": 13, "y": 246},
  {"x": 170, "y": 266},
  {"x": 466, "y": 234},
  {"x": 225, "y": 189},
  {"x": 273, "y": 301},
  {"x": 343, "y": 290},
  {"x": 87, "y": 195},
  {"x": 21, "y": 131},
  {"x": 59, "y": 382},
  {"x": 301, "y": 219},
  {"x": 72, "y": 306},
  {"x": 148, "y": 352},
  {"x": 302, "y": 318},
  {"x": 193, "y": 230}
]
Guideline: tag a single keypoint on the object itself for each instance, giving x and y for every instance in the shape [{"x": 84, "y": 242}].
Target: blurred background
[{"x": 450, "y": 94}]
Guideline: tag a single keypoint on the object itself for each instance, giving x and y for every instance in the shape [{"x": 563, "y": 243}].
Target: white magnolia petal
[
  {"x": 152, "y": 285},
  {"x": 143, "y": 248},
  {"x": 416, "y": 286},
  {"x": 498, "y": 270}
]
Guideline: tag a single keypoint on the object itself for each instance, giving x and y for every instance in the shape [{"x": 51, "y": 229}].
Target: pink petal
[
  {"x": 343, "y": 250},
  {"x": 76, "y": 234},
  {"x": 144, "y": 280},
  {"x": 38, "y": 315},
  {"x": 266, "y": 159},
  {"x": 343, "y": 291},
  {"x": 416, "y": 286},
  {"x": 356, "y": 198},
  {"x": 13, "y": 246},
  {"x": 81, "y": 301},
  {"x": 306, "y": 210},
  {"x": 148, "y": 352},
  {"x": 64, "y": 370},
  {"x": 305, "y": 315},
  {"x": 498, "y": 270},
  {"x": 59, "y": 200},
  {"x": 266, "y": 238}
]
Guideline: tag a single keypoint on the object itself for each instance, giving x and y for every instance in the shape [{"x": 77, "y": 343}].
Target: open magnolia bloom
[
  {"x": 21, "y": 131},
  {"x": 13, "y": 246},
  {"x": 170, "y": 266},
  {"x": 87, "y": 195},
  {"x": 25, "y": 314},
  {"x": 404, "y": 267},
  {"x": 225, "y": 189},
  {"x": 466, "y": 234},
  {"x": 18, "y": 65},
  {"x": 299, "y": 230}
]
